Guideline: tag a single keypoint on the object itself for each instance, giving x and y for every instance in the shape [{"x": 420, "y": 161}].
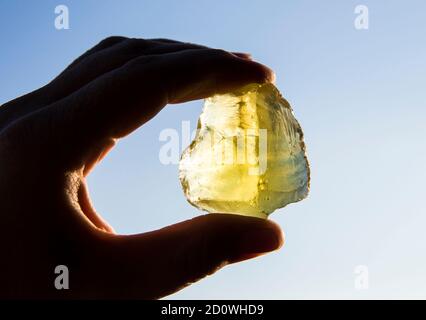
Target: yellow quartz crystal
[{"x": 248, "y": 156}]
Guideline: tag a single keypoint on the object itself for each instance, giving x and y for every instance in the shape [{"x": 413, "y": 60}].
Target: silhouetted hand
[{"x": 51, "y": 138}]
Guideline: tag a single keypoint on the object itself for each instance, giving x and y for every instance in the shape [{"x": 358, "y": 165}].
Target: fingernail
[
  {"x": 271, "y": 77},
  {"x": 268, "y": 75},
  {"x": 243, "y": 55}
]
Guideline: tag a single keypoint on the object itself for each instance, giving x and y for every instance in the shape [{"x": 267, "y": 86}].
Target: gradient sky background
[{"x": 358, "y": 94}]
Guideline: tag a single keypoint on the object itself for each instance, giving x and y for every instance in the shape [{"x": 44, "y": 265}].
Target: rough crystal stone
[{"x": 248, "y": 156}]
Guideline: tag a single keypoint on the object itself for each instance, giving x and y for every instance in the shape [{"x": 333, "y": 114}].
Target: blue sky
[{"x": 358, "y": 94}]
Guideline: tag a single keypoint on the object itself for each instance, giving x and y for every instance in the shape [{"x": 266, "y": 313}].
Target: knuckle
[
  {"x": 109, "y": 41},
  {"x": 134, "y": 45},
  {"x": 130, "y": 42}
]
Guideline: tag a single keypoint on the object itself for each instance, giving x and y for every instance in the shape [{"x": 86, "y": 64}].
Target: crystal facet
[{"x": 248, "y": 156}]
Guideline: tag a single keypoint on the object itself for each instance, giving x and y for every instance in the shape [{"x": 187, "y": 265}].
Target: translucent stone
[{"x": 248, "y": 156}]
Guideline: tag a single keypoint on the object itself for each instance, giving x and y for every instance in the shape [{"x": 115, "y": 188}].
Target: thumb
[{"x": 154, "y": 264}]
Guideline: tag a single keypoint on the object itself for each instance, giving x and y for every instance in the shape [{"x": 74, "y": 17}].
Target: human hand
[{"x": 51, "y": 138}]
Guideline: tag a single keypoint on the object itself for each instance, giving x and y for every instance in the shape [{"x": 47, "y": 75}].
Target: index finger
[{"x": 120, "y": 101}]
